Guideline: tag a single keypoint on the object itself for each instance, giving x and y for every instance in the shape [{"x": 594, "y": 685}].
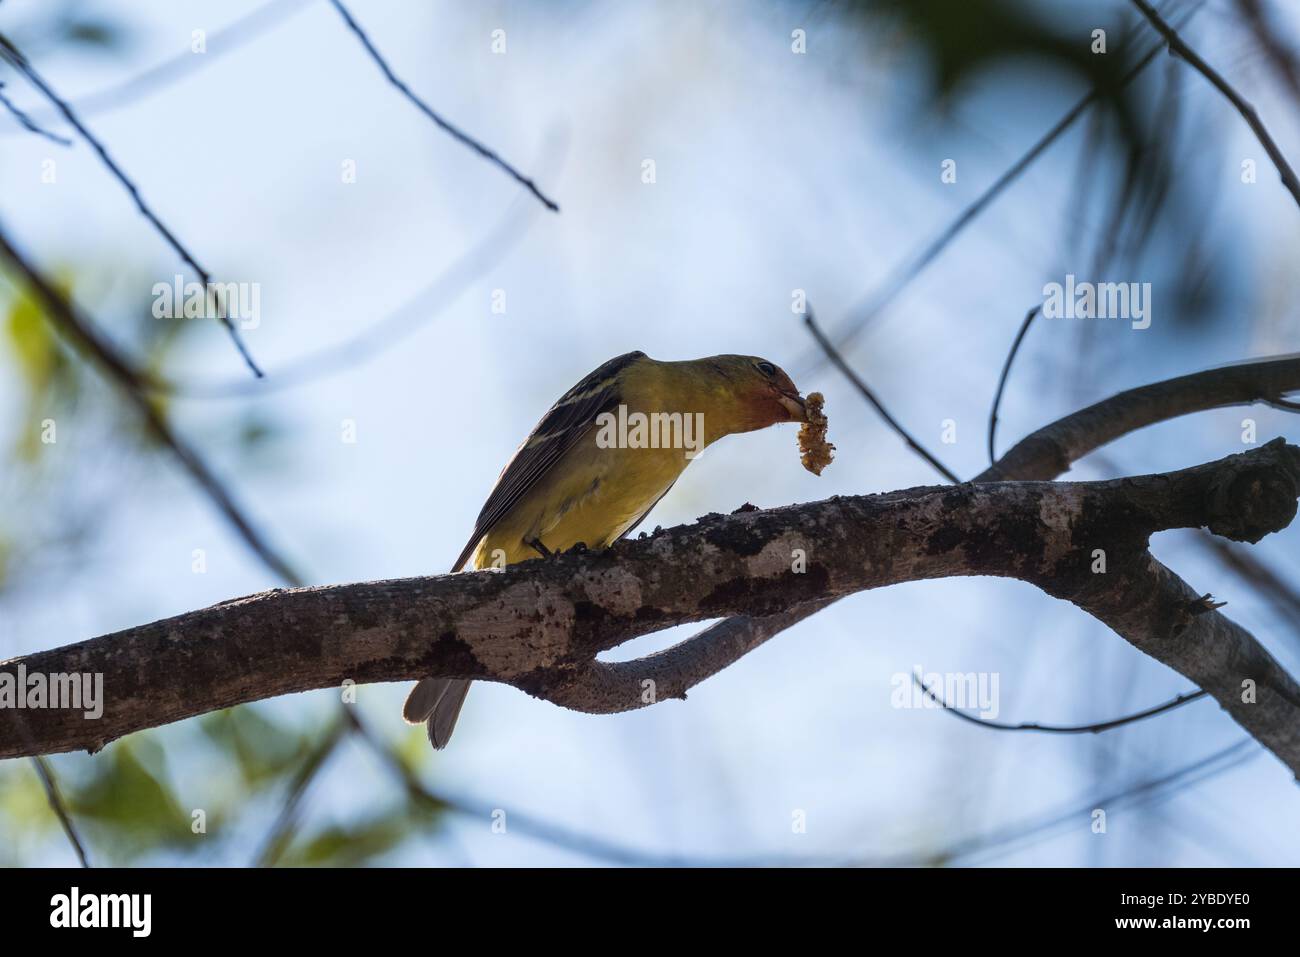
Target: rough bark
[
  {"x": 1051, "y": 450},
  {"x": 539, "y": 625},
  {"x": 1046, "y": 454}
]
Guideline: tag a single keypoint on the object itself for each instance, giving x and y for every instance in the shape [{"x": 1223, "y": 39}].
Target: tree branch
[
  {"x": 539, "y": 625},
  {"x": 865, "y": 391},
  {"x": 14, "y": 57},
  {"x": 1095, "y": 728},
  {"x": 1044, "y": 455},
  {"x": 451, "y": 129},
  {"x": 119, "y": 369},
  {"x": 1052, "y": 449},
  {"x": 28, "y": 123},
  {"x": 1248, "y": 113},
  {"x": 902, "y": 276},
  {"x": 174, "y": 69}
]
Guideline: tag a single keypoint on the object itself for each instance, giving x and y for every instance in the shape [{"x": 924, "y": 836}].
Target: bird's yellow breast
[{"x": 593, "y": 496}]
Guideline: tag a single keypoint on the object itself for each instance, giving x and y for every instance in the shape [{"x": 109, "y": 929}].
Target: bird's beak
[{"x": 794, "y": 404}]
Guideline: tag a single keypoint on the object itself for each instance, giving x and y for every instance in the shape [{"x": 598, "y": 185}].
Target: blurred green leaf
[
  {"x": 262, "y": 749},
  {"x": 127, "y": 794},
  {"x": 412, "y": 747},
  {"x": 49, "y": 376},
  {"x": 32, "y": 342},
  {"x": 22, "y": 798},
  {"x": 93, "y": 33},
  {"x": 349, "y": 846}
]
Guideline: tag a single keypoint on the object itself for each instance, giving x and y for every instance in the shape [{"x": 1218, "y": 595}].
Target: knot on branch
[{"x": 1248, "y": 502}]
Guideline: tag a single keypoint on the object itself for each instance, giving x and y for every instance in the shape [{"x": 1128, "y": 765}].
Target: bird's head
[{"x": 759, "y": 392}]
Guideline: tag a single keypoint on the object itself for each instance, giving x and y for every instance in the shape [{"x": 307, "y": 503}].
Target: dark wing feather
[{"x": 561, "y": 427}]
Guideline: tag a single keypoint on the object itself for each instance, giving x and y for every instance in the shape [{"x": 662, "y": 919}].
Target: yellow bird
[{"x": 599, "y": 461}]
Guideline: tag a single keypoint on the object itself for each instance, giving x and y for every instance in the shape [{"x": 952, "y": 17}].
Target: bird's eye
[{"x": 766, "y": 368}]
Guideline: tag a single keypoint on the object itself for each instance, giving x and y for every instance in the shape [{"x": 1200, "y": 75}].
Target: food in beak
[
  {"x": 794, "y": 404},
  {"x": 814, "y": 451}
]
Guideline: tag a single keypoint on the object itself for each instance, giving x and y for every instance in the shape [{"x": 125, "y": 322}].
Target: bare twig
[
  {"x": 1002, "y": 379},
  {"x": 1247, "y": 111},
  {"x": 155, "y": 78},
  {"x": 30, "y": 124},
  {"x": 833, "y": 354},
  {"x": 121, "y": 372},
  {"x": 52, "y": 793},
  {"x": 1096, "y": 728},
  {"x": 60, "y": 810},
  {"x": 428, "y": 111},
  {"x": 731, "y": 632},
  {"x": 902, "y": 277},
  {"x": 11, "y": 55},
  {"x": 377, "y": 337},
  {"x": 1164, "y": 785},
  {"x": 281, "y": 832},
  {"x": 1051, "y": 450},
  {"x": 1282, "y": 58},
  {"x": 1011, "y": 835},
  {"x": 534, "y": 827}
]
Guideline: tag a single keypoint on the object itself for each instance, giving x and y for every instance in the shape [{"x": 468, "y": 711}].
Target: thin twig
[
  {"x": 870, "y": 396},
  {"x": 1185, "y": 776},
  {"x": 81, "y": 332},
  {"x": 1049, "y": 452},
  {"x": 1002, "y": 379},
  {"x": 840, "y": 363},
  {"x": 29, "y": 123},
  {"x": 914, "y": 266},
  {"x": 11, "y": 55},
  {"x": 1248, "y": 113},
  {"x": 377, "y": 337},
  {"x": 60, "y": 810},
  {"x": 428, "y": 111},
  {"x": 1281, "y": 56},
  {"x": 556, "y": 835},
  {"x": 553, "y": 834},
  {"x": 281, "y": 832},
  {"x": 52, "y": 793},
  {"x": 1097, "y": 728},
  {"x": 174, "y": 69}
]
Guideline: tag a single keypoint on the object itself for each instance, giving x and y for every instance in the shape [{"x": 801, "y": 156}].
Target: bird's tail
[{"x": 436, "y": 701}]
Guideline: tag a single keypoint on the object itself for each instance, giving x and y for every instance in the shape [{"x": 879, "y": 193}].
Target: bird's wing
[{"x": 557, "y": 432}]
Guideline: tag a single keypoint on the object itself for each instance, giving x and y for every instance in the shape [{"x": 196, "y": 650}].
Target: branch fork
[{"x": 539, "y": 625}]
